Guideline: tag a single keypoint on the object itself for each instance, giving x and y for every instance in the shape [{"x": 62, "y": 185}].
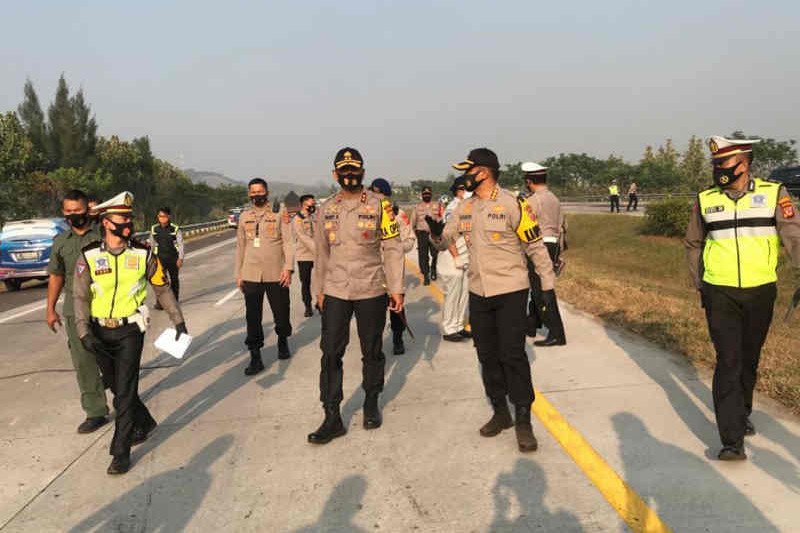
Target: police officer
[
  {"x": 397, "y": 321},
  {"x": 613, "y": 195},
  {"x": 543, "y": 307},
  {"x": 304, "y": 232},
  {"x": 498, "y": 227},
  {"x": 427, "y": 254},
  {"x": 111, "y": 316},
  {"x": 359, "y": 258},
  {"x": 64, "y": 254},
  {"x": 733, "y": 243},
  {"x": 264, "y": 265},
  {"x": 454, "y": 275},
  {"x": 633, "y": 196},
  {"x": 166, "y": 240}
]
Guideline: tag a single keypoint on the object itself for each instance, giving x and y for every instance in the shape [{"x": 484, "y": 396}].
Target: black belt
[{"x": 111, "y": 323}]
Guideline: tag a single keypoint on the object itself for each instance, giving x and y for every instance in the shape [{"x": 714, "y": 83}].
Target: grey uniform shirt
[
  {"x": 354, "y": 259},
  {"x": 497, "y": 252},
  {"x": 547, "y": 207},
  {"x": 788, "y": 231}
]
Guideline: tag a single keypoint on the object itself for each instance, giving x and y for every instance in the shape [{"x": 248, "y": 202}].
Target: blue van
[{"x": 25, "y": 249}]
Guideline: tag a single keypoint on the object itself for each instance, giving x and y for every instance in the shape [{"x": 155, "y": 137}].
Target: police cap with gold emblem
[
  {"x": 348, "y": 157},
  {"x": 121, "y": 204},
  {"x": 721, "y": 147},
  {"x": 479, "y": 157}
]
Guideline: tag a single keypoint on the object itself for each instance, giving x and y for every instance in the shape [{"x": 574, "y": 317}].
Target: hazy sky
[{"x": 275, "y": 88}]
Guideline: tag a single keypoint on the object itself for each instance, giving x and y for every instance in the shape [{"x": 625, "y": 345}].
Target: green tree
[
  {"x": 695, "y": 166},
  {"x": 769, "y": 154},
  {"x": 17, "y": 159},
  {"x": 32, "y": 117}
]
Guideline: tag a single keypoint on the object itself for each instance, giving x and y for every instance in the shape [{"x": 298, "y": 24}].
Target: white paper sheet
[{"x": 166, "y": 342}]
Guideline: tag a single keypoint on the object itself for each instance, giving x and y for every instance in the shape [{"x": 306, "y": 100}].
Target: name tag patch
[
  {"x": 131, "y": 262},
  {"x": 714, "y": 209}
]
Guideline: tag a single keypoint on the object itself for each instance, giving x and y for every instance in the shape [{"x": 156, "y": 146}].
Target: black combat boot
[
  {"x": 372, "y": 413},
  {"x": 119, "y": 464},
  {"x": 309, "y": 311},
  {"x": 331, "y": 427},
  {"x": 552, "y": 340},
  {"x": 749, "y": 428},
  {"x": 522, "y": 425},
  {"x": 397, "y": 338},
  {"x": 427, "y": 280},
  {"x": 501, "y": 419},
  {"x": 256, "y": 364},
  {"x": 732, "y": 453},
  {"x": 433, "y": 273},
  {"x": 92, "y": 423},
  {"x": 283, "y": 348}
]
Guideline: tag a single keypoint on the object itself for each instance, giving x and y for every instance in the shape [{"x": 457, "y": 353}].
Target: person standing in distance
[
  {"x": 633, "y": 196},
  {"x": 304, "y": 232},
  {"x": 427, "y": 254},
  {"x": 397, "y": 321},
  {"x": 109, "y": 293},
  {"x": 613, "y": 195},
  {"x": 543, "y": 307},
  {"x": 166, "y": 240},
  {"x": 359, "y": 258},
  {"x": 264, "y": 265},
  {"x": 733, "y": 243},
  {"x": 453, "y": 267},
  {"x": 499, "y": 230},
  {"x": 64, "y": 254}
]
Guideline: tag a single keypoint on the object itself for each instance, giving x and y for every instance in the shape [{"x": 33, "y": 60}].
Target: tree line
[{"x": 44, "y": 155}]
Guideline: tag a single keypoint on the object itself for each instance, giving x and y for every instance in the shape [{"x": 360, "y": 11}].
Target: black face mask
[
  {"x": 259, "y": 200},
  {"x": 723, "y": 177},
  {"x": 77, "y": 220},
  {"x": 119, "y": 230},
  {"x": 311, "y": 209},
  {"x": 470, "y": 182},
  {"x": 350, "y": 182},
  {"x": 426, "y": 197}
]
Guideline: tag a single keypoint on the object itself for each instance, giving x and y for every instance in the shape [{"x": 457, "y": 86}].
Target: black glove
[
  {"x": 436, "y": 227},
  {"x": 180, "y": 328},
  {"x": 92, "y": 344}
]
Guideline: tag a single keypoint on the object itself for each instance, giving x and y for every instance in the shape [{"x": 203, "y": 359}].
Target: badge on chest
[{"x": 101, "y": 266}]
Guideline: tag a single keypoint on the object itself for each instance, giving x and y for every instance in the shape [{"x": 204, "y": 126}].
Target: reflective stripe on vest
[
  {"x": 119, "y": 283},
  {"x": 742, "y": 244}
]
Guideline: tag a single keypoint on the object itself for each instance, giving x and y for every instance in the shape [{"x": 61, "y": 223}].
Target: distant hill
[{"x": 277, "y": 189}]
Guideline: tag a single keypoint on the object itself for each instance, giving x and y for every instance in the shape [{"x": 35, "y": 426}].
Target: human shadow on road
[
  {"x": 527, "y": 483},
  {"x": 687, "y": 490},
  {"x": 305, "y": 334},
  {"x": 675, "y": 375},
  {"x": 342, "y": 506},
  {"x": 166, "y": 502}
]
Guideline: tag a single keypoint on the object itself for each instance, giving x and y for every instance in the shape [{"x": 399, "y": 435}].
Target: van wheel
[{"x": 12, "y": 284}]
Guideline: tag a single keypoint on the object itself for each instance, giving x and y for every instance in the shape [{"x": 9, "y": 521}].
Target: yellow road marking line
[{"x": 622, "y": 498}]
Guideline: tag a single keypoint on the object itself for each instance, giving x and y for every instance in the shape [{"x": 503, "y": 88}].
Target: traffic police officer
[
  {"x": 166, "y": 240},
  {"x": 111, "y": 316},
  {"x": 733, "y": 243},
  {"x": 427, "y": 254},
  {"x": 64, "y": 254},
  {"x": 359, "y": 258},
  {"x": 500, "y": 230},
  {"x": 304, "y": 232},
  {"x": 264, "y": 265},
  {"x": 613, "y": 195},
  {"x": 543, "y": 307},
  {"x": 397, "y": 321}
]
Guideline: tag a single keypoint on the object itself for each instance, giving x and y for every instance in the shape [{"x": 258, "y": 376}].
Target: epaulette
[{"x": 91, "y": 245}]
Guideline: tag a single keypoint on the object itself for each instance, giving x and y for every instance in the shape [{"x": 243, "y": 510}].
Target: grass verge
[{"x": 642, "y": 284}]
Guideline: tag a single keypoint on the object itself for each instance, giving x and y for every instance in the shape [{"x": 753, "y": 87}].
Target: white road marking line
[
  {"x": 227, "y": 297},
  {"x": 42, "y": 304}
]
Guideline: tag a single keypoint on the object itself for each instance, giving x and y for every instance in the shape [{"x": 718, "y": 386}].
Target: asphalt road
[
  {"x": 626, "y": 434},
  {"x": 33, "y": 291}
]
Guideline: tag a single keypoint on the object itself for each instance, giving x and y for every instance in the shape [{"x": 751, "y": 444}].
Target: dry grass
[{"x": 642, "y": 284}]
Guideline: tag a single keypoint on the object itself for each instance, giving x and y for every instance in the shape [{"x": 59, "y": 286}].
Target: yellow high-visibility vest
[
  {"x": 742, "y": 243},
  {"x": 613, "y": 190},
  {"x": 119, "y": 282}
]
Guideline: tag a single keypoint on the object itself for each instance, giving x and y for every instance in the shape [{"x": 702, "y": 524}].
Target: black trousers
[
  {"x": 498, "y": 329},
  {"x": 614, "y": 202},
  {"x": 170, "y": 264},
  {"x": 633, "y": 200},
  {"x": 537, "y": 313},
  {"x": 305, "y": 268},
  {"x": 119, "y": 365},
  {"x": 278, "y": 298},
  {"x": 426, "y": 253},
  {"x": 738, "y": 322},
  {"x": 370, "y": 321}
]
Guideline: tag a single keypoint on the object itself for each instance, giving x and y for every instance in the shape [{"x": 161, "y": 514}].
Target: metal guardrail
[
  {"x": 589, "y": 198},
  {"x": 193, "y": 229}
]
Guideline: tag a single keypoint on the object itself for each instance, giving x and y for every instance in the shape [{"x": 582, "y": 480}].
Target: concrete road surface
[{"x": 626, "y": 434}]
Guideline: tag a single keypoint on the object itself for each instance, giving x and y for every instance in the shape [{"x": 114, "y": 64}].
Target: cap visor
[
  {"x": 347, "y": 163},
  {"x": 464, "y": 165}
]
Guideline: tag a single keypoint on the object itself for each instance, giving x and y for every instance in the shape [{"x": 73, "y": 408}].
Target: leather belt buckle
[{"x": 112, "y": 323}]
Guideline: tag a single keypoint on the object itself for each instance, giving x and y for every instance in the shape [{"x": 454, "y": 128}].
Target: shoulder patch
[{"x": 787, "y": 207}]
